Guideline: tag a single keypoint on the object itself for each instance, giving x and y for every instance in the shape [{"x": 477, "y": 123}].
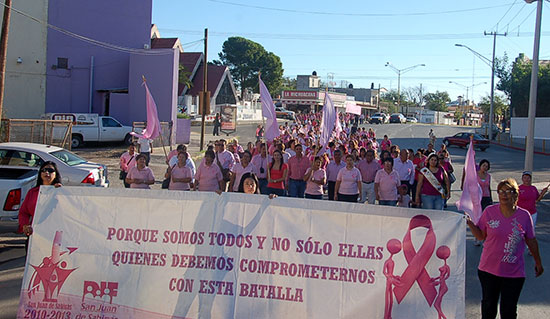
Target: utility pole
[
  {"x": 3, "y": 51},
  {"x": 205, "y": 95},
  {"x": 494, "y": 34},
  {"x": 530, "y": 143}
]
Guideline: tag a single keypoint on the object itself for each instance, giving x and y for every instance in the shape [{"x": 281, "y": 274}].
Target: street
[{"x": 534, "y": 301}]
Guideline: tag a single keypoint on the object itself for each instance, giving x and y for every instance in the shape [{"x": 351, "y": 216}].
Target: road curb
[{"x": 518, "y": 148}]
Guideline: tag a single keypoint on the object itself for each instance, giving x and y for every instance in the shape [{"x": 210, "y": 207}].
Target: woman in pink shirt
[
  {"x": 506, "y": 228},
  {"x": 348, "y": 182},
  {"x": 315, "y": 178},
  {"x": 386, "y": 183},
  {"x": 484, "y": 180},
  {"x": 239, "y": 169},
  {"x": 529, "y": 195},
  {"x": 209, "y": 177},
  {"x": 140, "y": 176},
  {"x": 48, "y": 174},
  {"x": 180, "y": 175}
]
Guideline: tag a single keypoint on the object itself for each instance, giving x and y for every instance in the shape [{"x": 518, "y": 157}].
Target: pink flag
[
  {"x": 268, "y": 111},
  {"x": 470, "y": 200},
  {"x": 153, "y": 124}
]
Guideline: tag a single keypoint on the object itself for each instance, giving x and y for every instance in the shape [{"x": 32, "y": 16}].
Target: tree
[
  {"x": 515, "y": 82},
  {"x": 500, "y": 107},
  {"x": 437, "y": 101},
  {"x": 184, "y": 77},
  {"x": 392, "y": 96},
  {"x": 246, "y": 58},
  {"x": 288, "y": 83}
]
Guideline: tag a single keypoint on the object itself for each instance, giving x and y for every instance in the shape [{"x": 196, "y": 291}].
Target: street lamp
[
  {"x": 491, "y": 64},
  {"x": 399, "y": 71},
  {"x": 467, "y": 87}
]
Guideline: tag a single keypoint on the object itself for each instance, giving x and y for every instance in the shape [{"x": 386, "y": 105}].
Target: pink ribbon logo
[{"x": 416, "y": 269}]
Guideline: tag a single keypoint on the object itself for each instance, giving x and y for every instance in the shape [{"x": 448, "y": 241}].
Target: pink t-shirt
[
  {"x": 180, "y": 172},
  {"x": 208, "y": 177},
  {"x": 368, "y": 170},
  {"x": 348, "y": 179},
  {"x": 239, "y": 171},
  {"x": 505, "y": 243},
  {"x": 528, "y": 198},
  {"x": 146, "y": 174},
  {"x": 387, "y": 184},
  {"x": 333, "y": 169},
  {"x": 312, "y": 188},
  {"x": 485, "y": 185}
]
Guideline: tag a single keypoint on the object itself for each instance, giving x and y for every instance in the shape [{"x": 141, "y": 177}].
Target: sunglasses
[{"x": 47, "y": 170}]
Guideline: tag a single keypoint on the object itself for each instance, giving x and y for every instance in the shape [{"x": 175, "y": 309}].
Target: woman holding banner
[
  {"x": 315, "y": 179},
  {"x": 433, "y": 185},
  {"x": 277, "y": 174},
  {"x": 180, "y": 175},
  {"x": 209, "y": 177},
  {"x": 506, "y": 229},
  {"x": 48, "y": 174},
  {"x": 348, "y": 182}
]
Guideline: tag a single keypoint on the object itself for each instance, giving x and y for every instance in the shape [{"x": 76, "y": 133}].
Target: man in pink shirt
[
  {"x": 224, "y": 159},
  {"x": 297, "y": 167},
  {"x": 368, "y": 168},
  {"x": 261, "y": 161},
  {"x": 332, "y": 172},
  {"x": 127, "y": 161}
]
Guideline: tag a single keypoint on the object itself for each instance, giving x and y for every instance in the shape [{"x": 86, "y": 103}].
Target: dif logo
[{"x": 104, "y": 288}]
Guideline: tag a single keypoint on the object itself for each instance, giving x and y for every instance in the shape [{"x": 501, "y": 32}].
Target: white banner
[
  {"x": 353, "y": 108},
  {"x": 117, "y": 253}
]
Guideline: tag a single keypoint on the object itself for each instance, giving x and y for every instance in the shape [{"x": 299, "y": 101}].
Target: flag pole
[{"x": 160, "y": 129}]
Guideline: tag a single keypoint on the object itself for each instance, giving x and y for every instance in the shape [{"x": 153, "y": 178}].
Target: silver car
[{"x": 74, "y": 170}]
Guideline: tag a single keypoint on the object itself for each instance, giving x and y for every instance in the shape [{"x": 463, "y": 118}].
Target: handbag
[
  {"x": 452, "y": 178},
  {"x": 123, "y": 174},
  {"x": 166, "y": 181}
]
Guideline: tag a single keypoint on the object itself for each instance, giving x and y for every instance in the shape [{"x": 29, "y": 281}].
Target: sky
[{"x": 351, "y": 41}]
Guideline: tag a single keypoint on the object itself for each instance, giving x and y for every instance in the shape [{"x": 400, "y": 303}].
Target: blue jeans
[
  {"x": 314, "y": 196},
  {"x": 263, "y": 186},
  {"x": 296, "y": 188},
  {"x": 432, "y": 202},
  {"x": 387, "y": 202}
]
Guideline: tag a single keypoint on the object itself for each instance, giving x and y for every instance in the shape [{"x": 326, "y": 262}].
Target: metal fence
[
  {"x": 50, "y": 132},
  {"x": 166, "y": 131}
]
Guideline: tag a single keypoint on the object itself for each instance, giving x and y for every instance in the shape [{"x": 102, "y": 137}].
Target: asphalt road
[{"x": 534, "y": 301}]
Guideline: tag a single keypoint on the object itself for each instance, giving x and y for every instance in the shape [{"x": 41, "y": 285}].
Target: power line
[
  {"x": 515, "y": 16},
  {"x": 522, "y": 22},
  {"x": 505, "y": 13},
  {"x": 344, "y": 37},
  {"x": 353, "y": 14}
]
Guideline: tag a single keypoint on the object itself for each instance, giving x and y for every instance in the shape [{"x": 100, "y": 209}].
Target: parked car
[
  {"x": 412, "y": 120},
  {"x": 19, "y": 164},
  {"x": 284, "y": 113},
  {"x": 89, "y": 127},
  {"x": 484, "y": 130},
  {"x": 398, "y": 118},
  {"x": 463, "y": 139},
  {"x": 378, "y": 118}
]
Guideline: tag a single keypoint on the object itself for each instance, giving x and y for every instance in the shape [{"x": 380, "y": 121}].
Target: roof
[
  {"x": 190, "y": 62},
  {"x": 166, "y": 43},
  {"x": 215, "y": 77},
  {"x": 31, "y": 146}
]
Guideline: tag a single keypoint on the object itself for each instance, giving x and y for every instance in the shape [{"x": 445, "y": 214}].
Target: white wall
[
  {"x": 25, "y": 90},
  {"x": 518, "y": 127}
]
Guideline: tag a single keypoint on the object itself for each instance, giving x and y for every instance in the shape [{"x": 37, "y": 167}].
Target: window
[
  {"x": 62, "y": 63},
  {"x": 109, "y": 122},
  {"x": 68, "y": 157},
  {"x": 19, "y": 158}
]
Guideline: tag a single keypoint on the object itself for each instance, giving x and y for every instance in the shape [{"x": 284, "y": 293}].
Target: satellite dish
[
  {"x": 350, "y": 86},
  {"x": 314, "y": 73}
]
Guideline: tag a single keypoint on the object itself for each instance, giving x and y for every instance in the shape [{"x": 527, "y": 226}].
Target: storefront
[{"x": 311, "y": 101}]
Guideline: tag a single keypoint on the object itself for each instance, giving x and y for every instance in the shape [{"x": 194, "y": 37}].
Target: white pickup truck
[{"x": 89, "y": 127}]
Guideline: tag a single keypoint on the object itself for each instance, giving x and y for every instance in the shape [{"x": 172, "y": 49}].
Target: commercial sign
[
  {"x": 120, "y": 253},
  {"x": 310, "y": 95},
  {"x": 228, "y": 117}
]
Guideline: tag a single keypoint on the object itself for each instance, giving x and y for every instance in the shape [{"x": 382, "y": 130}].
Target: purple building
[{"x": 84, "y": 77}]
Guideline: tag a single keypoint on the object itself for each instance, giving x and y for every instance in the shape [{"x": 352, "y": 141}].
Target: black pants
[
  {"x": 331, "y": 186},
  {"x": 486, "y": 201},
  {"x": 347, "y": 198},
  {"x": 216, "y": 130},
  {"x": 495, "y": 287}
]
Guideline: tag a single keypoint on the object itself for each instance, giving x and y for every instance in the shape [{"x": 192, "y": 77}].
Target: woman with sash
[{"x": 433, "y": 185}]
